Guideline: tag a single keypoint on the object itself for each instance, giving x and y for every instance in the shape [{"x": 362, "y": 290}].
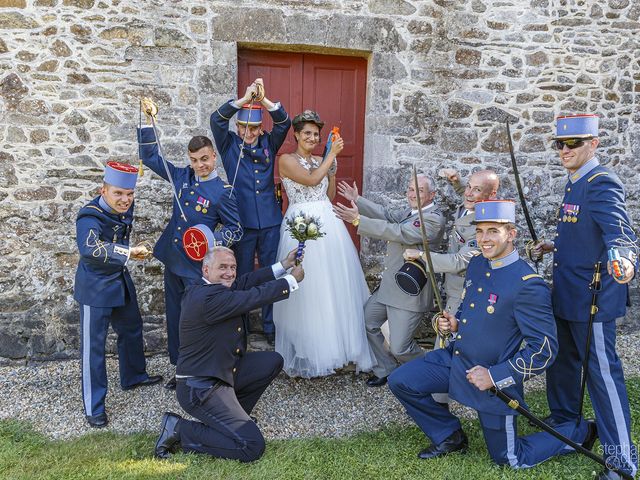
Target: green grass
[{"x": 385, "y": 454}]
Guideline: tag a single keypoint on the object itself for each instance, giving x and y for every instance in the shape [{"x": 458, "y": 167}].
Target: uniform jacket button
[
  {"x": 234, "y": 370},
  {"x": 239, "y": 329}
]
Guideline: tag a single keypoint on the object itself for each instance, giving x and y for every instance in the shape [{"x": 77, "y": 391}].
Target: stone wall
[{"x": 443, "y": 77}]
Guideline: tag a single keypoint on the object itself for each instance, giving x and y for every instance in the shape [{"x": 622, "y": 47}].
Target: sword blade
[
  {"x": 425, "y": 245},
  {"x": 516, "y": 174}
]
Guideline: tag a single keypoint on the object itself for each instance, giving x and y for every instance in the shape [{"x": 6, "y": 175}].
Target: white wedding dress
[{"x": 320, "y": 327}]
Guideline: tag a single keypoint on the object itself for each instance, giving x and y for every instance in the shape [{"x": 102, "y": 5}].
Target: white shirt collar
[{"x": 413, "y": 212}]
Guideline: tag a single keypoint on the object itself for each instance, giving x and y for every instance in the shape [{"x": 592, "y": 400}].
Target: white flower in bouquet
[{"x": 312, "y": 229}]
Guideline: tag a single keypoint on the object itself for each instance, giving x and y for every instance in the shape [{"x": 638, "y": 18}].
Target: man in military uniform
[
  {"x": 592, "y": 220},
  {"x": 504, "y": 303},
  {"x": 401, "y": 230},
  {"x": 219, "y": 382},
  {"x": 482, "y": 185},
  {"x": 249, "y": 158},
  {"x": 105, "y": 291},
  {"x": 204, "y": 199}
]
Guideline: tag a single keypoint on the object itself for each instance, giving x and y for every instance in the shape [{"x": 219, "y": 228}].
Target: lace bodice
[{"x": 298, "y": 193}]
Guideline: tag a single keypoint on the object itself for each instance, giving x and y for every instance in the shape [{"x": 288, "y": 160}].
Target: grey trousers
[{"x": 402, "y": 326}]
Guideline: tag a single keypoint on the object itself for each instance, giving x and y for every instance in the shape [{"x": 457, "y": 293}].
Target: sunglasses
[{"x": 570, "y": 143}]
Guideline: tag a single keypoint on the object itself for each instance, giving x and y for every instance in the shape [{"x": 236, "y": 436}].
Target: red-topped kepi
[
  {"x": 121, "y": 175},
  {"x": 197, "y": 241},
  {"x": 250, "y": 114}
]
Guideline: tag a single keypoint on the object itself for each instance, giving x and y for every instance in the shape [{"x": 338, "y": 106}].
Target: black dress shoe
[
  {"x": 376, "y": 381},
  {"x": 169, "y": 436},
  {"x": 592, "y": 435},
  {"x": 171, "y": 384},
  {"x": 150, "y": 380},
  {"x": 456, "y": 442},
  {"x": 271, "y": 338},
  {"x": 98, "y": 421}
]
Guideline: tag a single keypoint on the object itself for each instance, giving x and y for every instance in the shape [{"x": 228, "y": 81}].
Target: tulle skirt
[{"x": 320, "y": 327}]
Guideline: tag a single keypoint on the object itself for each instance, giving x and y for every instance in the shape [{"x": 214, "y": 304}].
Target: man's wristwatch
[{"x": 356, "y": 221}]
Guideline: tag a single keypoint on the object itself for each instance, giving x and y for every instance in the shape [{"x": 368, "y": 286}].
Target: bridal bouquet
[{"x": 303, "y": 227}]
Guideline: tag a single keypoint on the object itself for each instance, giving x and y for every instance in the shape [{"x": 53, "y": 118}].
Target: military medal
[
  {"x": 203, "y": 204},
  {"x": 493, "y": 298},
  {"x": 570, "y": 212}
]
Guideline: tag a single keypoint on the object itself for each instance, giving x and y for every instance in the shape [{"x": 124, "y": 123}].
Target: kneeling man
[
  {"x": 503, "y": 304},
  {"x": 218, "y": 382}
]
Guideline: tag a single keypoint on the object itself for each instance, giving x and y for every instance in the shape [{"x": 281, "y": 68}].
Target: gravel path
[{"x": 48, "y": 395}]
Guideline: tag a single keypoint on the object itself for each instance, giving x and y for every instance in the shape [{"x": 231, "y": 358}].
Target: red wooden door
[{"x": 333, "y": 86}]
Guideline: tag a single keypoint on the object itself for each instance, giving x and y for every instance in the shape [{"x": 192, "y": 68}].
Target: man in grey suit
[
  {"x": 482, "y": 185},
  {"x": 401, "y": 230}
]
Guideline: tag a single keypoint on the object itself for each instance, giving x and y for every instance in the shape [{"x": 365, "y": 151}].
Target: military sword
[
  {"x": 515, "y": 405},
  {"x": 595, "y": 289},
  {"x": 427, "y": 255},
  {"x": 523, "y": 203},
  {"x": 151, "y": 111}
]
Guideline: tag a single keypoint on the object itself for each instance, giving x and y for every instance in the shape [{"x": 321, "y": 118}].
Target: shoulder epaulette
[
  {"x": 475, "y": 253},
  {"x": 228, "y": 186},
  {"x": 597, "y": 175},
  {"x": 530, "y": 276},
  {"x": 97, "y": 208},
  {"x": 285, "y": 119}
]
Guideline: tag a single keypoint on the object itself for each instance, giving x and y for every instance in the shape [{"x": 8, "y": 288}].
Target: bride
[{"x": 321, "y": 327}]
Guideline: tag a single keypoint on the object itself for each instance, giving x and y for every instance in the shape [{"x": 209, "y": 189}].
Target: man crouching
[{"x": 218, "y": 381}]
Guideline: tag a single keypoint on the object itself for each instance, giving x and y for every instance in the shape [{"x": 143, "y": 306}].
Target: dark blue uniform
[
  {"x": 204, "y": 201},
  {"x": 260, "y": 211},
  {"x": 504, "y": 303},
  {"x": 106, "y": 294},
  {"x": 591, "y": 220},
  {"x": 219, "y": 383}
]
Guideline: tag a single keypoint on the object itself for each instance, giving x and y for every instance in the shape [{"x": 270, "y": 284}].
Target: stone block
[
  {"x": 394, "y": 7},
  {"x": 12, "y": 89},
  {"x": 215, "y": 80},
  {"x": 388, "y": 67},
  {"x": 365, "y": 33},
  {"x": 15, "y": 20},
  {"x": 248, "y": 25},
  {"x": 163, "y": 55},
  {"x": 48, "y": 66},
  {"x": 35, "y": 194},
  {"x": 458, "y": 140},
  {"x": 537, "y": 58},
  {"x": 495, "y": 114},
  {"x": 421, "y": 104},
  {"x": 60, "y": 49},
  {"x": 13, "y": 3},
  {"x": 3, "y": 46},
  {"x": 459, "y": 110},
  {"x": 39, "y": 135},
  {"x": 83, "y": 4},
  {"x": 304, "y": 29},
  {"x": 78, "y": 78},
  {"x": 468, "y": 57},
  {"x": 7, "y": 170},
  {"x": 169, "y": 37}
]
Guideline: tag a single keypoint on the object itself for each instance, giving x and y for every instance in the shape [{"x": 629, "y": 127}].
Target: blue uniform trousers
[
  {"x": 174, "y": 286},
  {"x": 605, "y": 381},
  {"x": 226, "y": 430},
  {"x": 265, "y": 242},
  {"x": 414, "y": 383},
  {"x": 94, "y": 326}
]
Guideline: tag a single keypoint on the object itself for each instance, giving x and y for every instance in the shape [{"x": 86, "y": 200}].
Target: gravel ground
[{"x": 48, "y": 395}]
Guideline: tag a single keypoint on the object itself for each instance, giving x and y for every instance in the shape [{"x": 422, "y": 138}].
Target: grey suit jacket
[
  {"x": 401, "y": 230},
  {"x": 462, "y": 247}
]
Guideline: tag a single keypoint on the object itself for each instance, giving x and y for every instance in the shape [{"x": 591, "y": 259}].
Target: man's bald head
[{"x": 482, "y": 185}]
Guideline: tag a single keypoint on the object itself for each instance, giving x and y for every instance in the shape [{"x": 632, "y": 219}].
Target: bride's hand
[{"x": 336, "y": 146}]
